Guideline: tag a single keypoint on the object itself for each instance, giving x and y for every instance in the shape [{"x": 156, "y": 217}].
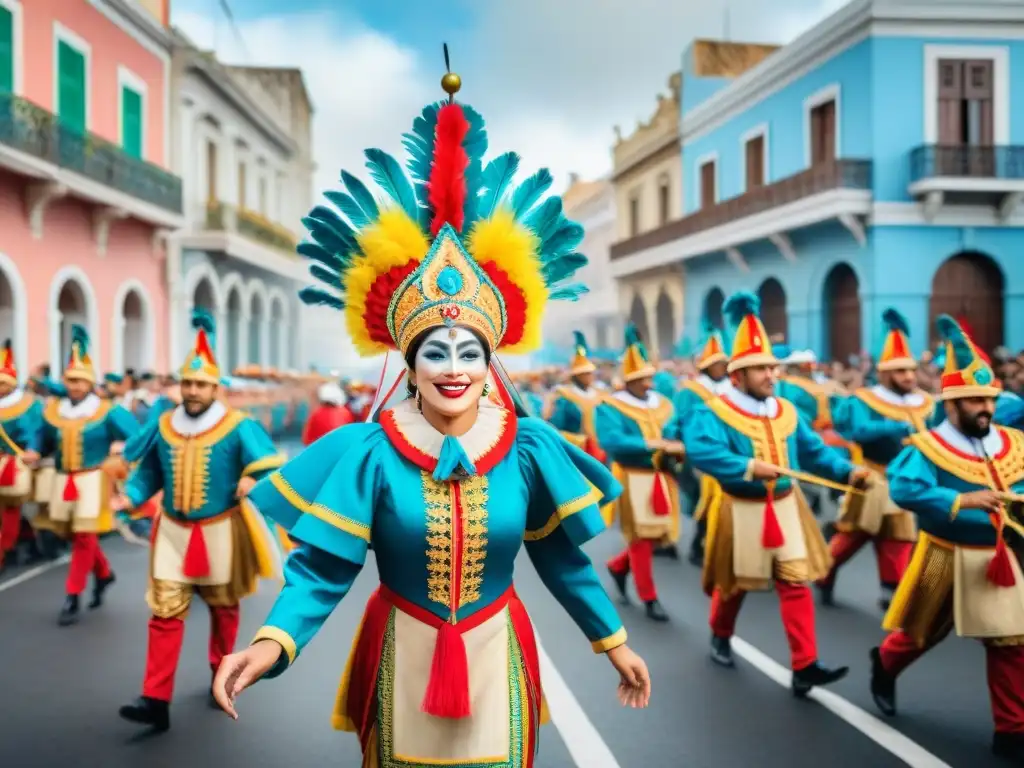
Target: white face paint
[{"x": 450, "y": 370}]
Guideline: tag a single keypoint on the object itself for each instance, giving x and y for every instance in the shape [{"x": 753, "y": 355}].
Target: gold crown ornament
[
  {"x": 454, "y": 242},
  {"x": 79, "y": 361},
  {"x": 201, "y": 362},
  {"x": 966, "y": 374}
]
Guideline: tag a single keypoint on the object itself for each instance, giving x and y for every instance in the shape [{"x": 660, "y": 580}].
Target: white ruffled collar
[
  {"x": 912, "y": 399},
  {"x": 990, "y": 445},
  {"x": 718, "y": 387},
  {"x": 751, "y": 406},
  {"x": 12, "y": 398},
  {"x": 481, "y": 438},
  {"x": 83, "y": 409},
  {"x": 652, "y": 401},
  {"x": 189, "y": 426}
]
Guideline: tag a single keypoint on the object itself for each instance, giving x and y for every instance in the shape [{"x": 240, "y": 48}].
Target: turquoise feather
[
  {"x": 563, "y": 268},
  {"x": 475, "y": 146},
  {"x": 739, "y": 305},
  {"x": 545, "y": 218},
  {"x": 316, "y": 296},
  {"x": 633, "y": 340},
  {"x": 80, "y": 336},
  {"x": 568, "y": 292},
  {"x": 321, "y": 254},
  {"x": 581, "y": 342},
  {"x": 529, "y": 192},
  {"x": 951, "y": 331},
  {"x": 895, "y": 321},
  {"x": 325, "y": 275},
  {"x": 564, "y": 241},
  {"x": 390, "y": 177},
  {"x": 202, "y": 319},
  {"x": 361, "y": 195},
  {"x": 497, "y": 177},
  {"x": 352, "y": 210},
  {"x": 329, "y": 237}
]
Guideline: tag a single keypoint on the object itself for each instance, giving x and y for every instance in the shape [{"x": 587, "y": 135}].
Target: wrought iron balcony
[
  {"x": 249, "y": 224},
  {"x": 966, "y": 162},
  {"x": 827, "y": 177},
  {"x": 26, "y": 127}
]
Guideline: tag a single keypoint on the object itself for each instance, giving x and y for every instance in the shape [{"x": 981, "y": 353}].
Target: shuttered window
[
  {"x": 965, "y": 103},
  {"x": 71, "y": 86},
  {"x": 6, "y": 50},
  {"x": 823, "y": 133},
  {"x": 131, "y": 121},
  {"x": 708, "y": 191},
  {"x": 755, "y": 162}
]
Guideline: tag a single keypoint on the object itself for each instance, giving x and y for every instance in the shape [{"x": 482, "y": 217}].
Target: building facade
[
  {"x": 875, "y": 161},
  {"x": 242, "y": 143},
  {"x": 86, "y": 200}
]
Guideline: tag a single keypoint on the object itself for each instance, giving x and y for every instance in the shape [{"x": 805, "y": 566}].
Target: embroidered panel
[
  {"x": 1009, "y": 466},
  {"x": 651, "y": 421},
  {"x": 916, "y": 415},
  {"x": 768, "y": 436}
]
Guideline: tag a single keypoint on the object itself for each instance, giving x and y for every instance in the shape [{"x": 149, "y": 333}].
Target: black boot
[
  {"x": 721, "y": 651},
  {"x": 670, "y": 551},
  {"x": 814, "y": 675},
  {"x": 696, "y": 554},
  {"x": 69, "y": 612},
  {"x": 147, "y": 711},
  {"x": 654, "y": 611},
  {"x": 883, "y": 685},
  {"x": 1010, "y": 746},
  {"x": 825, "y": 593},
  {"x": 620, "y": 584},
  {"x": 98, "y": 590}
]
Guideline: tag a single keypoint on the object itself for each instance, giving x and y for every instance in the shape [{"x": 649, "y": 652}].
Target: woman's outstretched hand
[
  {"x": 240, "y": 670},
  {"x": 635, "y": 684}
]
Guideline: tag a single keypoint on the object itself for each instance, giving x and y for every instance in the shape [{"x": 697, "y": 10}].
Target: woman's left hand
[{"x": 635, "y": 685}]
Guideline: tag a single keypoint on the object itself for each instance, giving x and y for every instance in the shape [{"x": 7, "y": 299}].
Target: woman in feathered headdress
[{"x": 446, "y": 485}]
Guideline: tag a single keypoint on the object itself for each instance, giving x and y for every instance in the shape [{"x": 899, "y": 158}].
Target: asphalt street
[{"x": 60, "y": 688}]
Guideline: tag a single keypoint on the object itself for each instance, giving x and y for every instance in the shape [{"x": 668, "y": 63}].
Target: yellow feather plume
[
  {"x": 394, "y": 240},
  {"x": 501, "y": 241}
]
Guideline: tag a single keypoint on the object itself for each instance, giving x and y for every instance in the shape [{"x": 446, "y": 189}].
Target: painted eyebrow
[
  {"x": 438, "y": 345},
  {"x": 464, "y": 345}
]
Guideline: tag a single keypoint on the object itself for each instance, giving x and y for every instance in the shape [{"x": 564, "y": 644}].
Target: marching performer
[
  {"x": 965, "y": 573},
  {"x": 205, "y": 457},
  {"x": 20, "y": 418},
  {"x": 79, "y": 430},
  {"x": 572, "y": 411},
  {"x": 877, "y": 420},
  {"x": 630, "y": 427},
  {"x": 711, "y": 381},
  {"x": 448, "y": 484},
  {"x": 761, "y": 531}
]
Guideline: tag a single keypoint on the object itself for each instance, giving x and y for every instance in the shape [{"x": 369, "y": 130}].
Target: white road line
[
  {"x": 581, "y": 738},
  {"x": 39, "y": 570},
  {"x": 910, "y": 752}
]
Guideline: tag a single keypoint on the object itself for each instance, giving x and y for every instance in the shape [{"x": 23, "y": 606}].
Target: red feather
[
  {"x": 446, "y": 188},
  {"x": 203, "y": 345},
  {"x": 969, "y": 333},
  {"x": 515, "y": 303},
  {"x": 378, "y": 299}
]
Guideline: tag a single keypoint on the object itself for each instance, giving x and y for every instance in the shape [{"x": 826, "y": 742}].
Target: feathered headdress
[
  {"x": 635, "y": 362},
  {"x": 8, "y": 367},
  {"x": 455, "y": 244},
  {"x": 201, "y": 362},
  {"x": 79, "y": 362},
  {"x": 750, "y": 344},
  {"x": 965, "y": 373},
  {"x": 896, "y": 354},
  {"x": 581, "y": 356},
  {"x": 712, "y": 347}
]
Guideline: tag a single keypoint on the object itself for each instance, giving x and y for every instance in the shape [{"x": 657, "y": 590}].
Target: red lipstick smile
[{"x": 452, "y": 391}]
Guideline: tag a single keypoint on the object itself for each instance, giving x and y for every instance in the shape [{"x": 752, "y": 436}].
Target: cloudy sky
[{"x": 551, "y": 77}]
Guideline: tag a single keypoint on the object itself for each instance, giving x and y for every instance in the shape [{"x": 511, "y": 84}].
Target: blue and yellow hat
[
  {"x": 635, "y": 362},
  {"x": 712, "y": 347},
  {"x": 201, "y": 362},
  {"x": 750, "y": 343},
  {"x": 581, "y": 362},
  {"x": 79, "y": 362},
  {"x": 896, "y": 354},
  {"x": 966, "y": 374}
]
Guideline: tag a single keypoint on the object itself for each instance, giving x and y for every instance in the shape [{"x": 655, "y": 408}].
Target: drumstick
[{"x": 815, "y": 480}]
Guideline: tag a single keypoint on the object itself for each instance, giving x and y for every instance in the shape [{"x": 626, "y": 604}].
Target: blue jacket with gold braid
[
  {"x": 875, "y": 419},
  {"x": 21, "y": 415},
  {"x": 80, "y": 444}
]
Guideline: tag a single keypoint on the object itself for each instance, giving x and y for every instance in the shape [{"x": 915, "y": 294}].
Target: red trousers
[
  {"x": 796, "y": 604},
  {"x": 86, "y": 557},
  {"x": 893, "y": 556},
  {"x": 10, "y": 529},
  {"x": 1004, "y": 665},
  {"x": 637, "y": 558},
  {"x": 164, "y": 649}
]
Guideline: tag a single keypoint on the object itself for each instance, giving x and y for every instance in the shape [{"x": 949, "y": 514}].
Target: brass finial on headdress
[{"x": 451, "y": 82}]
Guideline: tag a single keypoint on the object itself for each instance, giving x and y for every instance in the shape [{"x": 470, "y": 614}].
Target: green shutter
[
  {"x": 71, "y": 87},
  {"x": 6, "y": 51},
  {"x": 131, "y": 122}
]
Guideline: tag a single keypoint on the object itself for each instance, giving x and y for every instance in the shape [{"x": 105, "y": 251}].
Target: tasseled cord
[
  {"x": 448, "y": 690},
  {"x": 1000, "y": 569},
  {"x": 771, "y": 531}
]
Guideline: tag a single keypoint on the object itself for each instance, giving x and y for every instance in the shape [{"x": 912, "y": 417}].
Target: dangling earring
[
  {"x": 487, "y": 389},
  {"x": 419, "y": 401}
]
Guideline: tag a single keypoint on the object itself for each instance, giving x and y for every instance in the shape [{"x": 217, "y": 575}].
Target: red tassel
[
  {"x": 659, "y": 498},
  {"x": 9, "y": 473},
  {"x": 196, "y": 564},
  {"x": 446, "y": 188},
  {"x": 1000, "y": 570},
  {"x": 70, "y": 489},
  {"x": 771, "y": 532},
  {"x": 448, "y": 690}
]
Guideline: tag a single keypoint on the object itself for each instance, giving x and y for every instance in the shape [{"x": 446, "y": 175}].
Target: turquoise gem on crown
[
  {"x": 196, "y": 363},
  {"x": 983, "y": 377},
  {"x": 449, "y": 280}
]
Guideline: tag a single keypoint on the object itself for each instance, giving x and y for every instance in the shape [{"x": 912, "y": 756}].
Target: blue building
[{"x": 877, "y": 160}]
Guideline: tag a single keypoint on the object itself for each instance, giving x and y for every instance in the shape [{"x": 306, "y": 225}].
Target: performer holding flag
[{"x": 205, "y": 457}]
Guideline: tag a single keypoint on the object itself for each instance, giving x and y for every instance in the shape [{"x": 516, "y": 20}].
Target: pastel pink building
[{"x": 85, "y": 200}]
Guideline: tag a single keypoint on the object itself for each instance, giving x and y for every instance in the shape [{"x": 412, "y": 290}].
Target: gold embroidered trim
[
  {"x": 71, "y": 431},
  {"x": 1010, "y": 465},
  {"x": 437, "y": 503},
  {"x": 650, "y": 420},
  {"x": 768, "y": 436},
  {"x": 593, "y": 496},
  {"x": 190, "y": 458},
  {"x": 267, "y": 462},
  {"x": 18, "y": 409},
  {"x": 319, "y": 511},
  {"x": 608, "y": 643},
  {"x": 439, "y": 507},
  {"x": 474, "y": 538},
  {"x": 916, "y": 415},
  {"x": 955, "y": 509},
  {"x": 587, "y": 406},
  {"x": 282, "y": 638},
  {"x": 698, "y": 389}
]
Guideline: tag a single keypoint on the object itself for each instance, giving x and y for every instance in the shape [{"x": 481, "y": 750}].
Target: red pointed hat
[{"x": 8, "y": 367}]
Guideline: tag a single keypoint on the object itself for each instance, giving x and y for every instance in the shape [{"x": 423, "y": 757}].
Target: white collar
[
  {"x": 990, "y": 445},
  {"x": 910, "y": 400},
  {"x": 588, "y": 393},
  {"x": 653, "y": 399},
  {"x": 718, "y": 387},
  {"x": 481, "y": 437},
  {"x": 188, "y": 426},
  {"x": 12, "y": 398},
  {"x": 83, "y": 409},
  {"x": 750, "y": 405}
]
